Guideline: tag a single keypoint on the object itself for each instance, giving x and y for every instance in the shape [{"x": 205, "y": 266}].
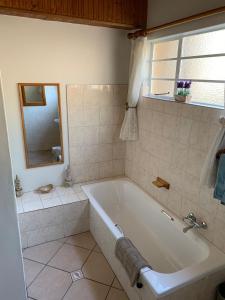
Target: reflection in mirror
[
  {"x": 33, "y": 94},
  {"x": 42, "y": 127}
]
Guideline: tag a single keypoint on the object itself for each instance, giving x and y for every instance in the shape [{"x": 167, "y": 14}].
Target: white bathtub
[{"x": 178, "y": 260}]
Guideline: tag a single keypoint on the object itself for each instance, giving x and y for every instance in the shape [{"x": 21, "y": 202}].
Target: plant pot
[{"x": 180, "y": 98}]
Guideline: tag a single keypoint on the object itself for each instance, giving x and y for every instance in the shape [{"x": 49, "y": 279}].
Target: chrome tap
[{"x": 193, "y": 223}]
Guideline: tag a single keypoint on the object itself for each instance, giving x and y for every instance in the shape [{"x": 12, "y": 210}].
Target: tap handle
[{"x": 191, "y": 217}]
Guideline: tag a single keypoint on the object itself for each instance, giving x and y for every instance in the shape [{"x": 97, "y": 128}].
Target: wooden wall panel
[{"x": 113, "y": 13}]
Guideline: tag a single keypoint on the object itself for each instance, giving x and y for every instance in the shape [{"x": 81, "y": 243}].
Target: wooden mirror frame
[
  {"x": 33, "y": 103},
  {"x": 28, "y": 164}
]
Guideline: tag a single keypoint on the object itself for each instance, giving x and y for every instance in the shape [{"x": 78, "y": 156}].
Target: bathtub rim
[{"x": 163, "y": 284}]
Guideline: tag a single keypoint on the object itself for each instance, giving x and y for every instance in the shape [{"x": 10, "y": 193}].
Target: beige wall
[
  {"x": 163, "y": 11},
  {"x": 41, "y": 51},
  {"x": 174, "y": 140},
  {"x": 95, "y": 116}
]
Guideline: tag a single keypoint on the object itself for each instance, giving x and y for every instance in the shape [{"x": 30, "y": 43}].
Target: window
[{"x": 199, "y": 57}]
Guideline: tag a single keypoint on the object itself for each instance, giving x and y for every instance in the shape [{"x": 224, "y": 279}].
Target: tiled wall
[
  {"x": 173, "y": 143},
  {"x": 60, "y": 213},
  {"x": 95, "y": 115},
  {"x": 53, "y": 223}
]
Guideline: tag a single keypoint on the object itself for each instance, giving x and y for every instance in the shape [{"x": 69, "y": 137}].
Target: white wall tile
[
  {"x": 106, "y": 169},
  {"x": 19, "y": 206},
  {"x": 173, "y": 142},
  {"x": 51, "y": 216},
  {"x": 69, "y": 198},
  {"x": 53, "y": 223},
  {"x": 119, "y": 150},
  {"x": 94, "y": 122},
  {"x": 32, "y": 205},
  {"x": 51, "y": 202}
]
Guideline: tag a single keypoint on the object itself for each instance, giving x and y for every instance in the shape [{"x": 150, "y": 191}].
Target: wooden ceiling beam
[{"x": 125, "y": 14}]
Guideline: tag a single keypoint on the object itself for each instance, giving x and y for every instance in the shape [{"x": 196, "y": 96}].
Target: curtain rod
[{"x": 145, "y": 32}]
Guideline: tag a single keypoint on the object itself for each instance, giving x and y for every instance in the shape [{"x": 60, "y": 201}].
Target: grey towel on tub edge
[{"x": 130, "y": 258}]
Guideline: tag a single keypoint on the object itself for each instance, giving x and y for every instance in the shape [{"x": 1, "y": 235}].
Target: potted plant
[{"x": 183, "y": 91}]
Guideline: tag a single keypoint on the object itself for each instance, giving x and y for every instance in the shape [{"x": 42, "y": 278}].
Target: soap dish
[{"x": 45, "y": 189}]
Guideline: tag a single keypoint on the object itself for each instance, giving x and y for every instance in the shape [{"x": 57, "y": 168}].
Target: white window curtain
[
  {"x": 209, "y": 170},
  {"x": 129, "y": 130}
]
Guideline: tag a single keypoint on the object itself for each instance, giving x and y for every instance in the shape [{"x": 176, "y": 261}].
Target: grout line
[
  {"x": 110, "y": 288},
  {"x": 44, "y": 264},
  {"x": 56, "y": 268},
  {"x": 55, "y": 253},
  {"x": 36, "y": 275},
  {"x": 68, "y": 289},
  {"x": 91, "y": 251}
]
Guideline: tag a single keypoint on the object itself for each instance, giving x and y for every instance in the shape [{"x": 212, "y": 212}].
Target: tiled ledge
[
  {"x": 32, "y": 201},
  {"x": 61, "y": 213}
]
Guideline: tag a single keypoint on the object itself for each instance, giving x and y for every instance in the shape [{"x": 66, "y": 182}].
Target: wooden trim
[
  {"x": 22, "y": 87},
  {"x": 122, "y": 14},
  {"x": 28, "y": 164},
  {"x": 143, "y": 33}
]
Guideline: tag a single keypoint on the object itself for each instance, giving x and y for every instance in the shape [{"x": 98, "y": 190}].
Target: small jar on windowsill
[{"x": 183, "y": 91}]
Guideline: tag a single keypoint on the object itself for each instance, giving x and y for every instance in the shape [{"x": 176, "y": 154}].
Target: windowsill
[{"x": 154, "y": 97}]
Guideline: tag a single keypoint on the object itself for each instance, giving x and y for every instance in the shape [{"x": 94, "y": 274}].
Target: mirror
[{"x": 41, "y": 123}]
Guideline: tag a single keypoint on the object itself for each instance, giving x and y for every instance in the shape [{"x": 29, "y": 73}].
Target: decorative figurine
[
  {"x": 18, "y": 187},
  {"x": 68, "y": 182}
]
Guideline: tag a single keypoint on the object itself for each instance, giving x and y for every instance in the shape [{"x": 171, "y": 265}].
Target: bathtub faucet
[{"x": 193, "y": 223}]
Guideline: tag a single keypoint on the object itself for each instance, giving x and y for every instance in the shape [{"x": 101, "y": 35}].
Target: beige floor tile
[
  {"x": 87, "y": 290},
  {"x": 42, "y": 253},
  {"x": 97, "y": 249},
  {"x": 83, "y": 240},
  {"x": 97, "y": 268},
  {"x": 115, "y": 294},
  {"x": 51, "y": 284},
  {"x": 69, "y": 258},
  {"x": 32, "y": 269},
  {"x": 62, "y": 240},
  {"x": 116, "y": 284}
]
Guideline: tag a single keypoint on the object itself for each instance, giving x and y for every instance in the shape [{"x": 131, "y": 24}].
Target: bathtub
[{"x": 183, "y": 264}]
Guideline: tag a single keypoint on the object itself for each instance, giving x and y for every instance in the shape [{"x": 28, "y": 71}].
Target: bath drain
[{"x": 77, "y": 275}]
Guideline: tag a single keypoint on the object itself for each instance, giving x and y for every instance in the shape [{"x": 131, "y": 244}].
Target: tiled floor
[{"x": 70, "y": 268}]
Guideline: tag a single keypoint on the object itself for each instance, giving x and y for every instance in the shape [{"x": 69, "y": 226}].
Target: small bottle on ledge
[
  {"x": 68, "y": 181},
  {"x": 18, "y": 187}
]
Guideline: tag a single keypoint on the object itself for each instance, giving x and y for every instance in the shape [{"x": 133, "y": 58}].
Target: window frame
[{"x": 178, "y": 60}]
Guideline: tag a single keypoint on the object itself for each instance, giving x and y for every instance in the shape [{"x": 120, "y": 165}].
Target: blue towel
[{"x": 219, "y": 192}]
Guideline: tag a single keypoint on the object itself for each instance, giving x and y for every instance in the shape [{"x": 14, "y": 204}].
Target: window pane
[
  {"x": 164, "y": 69},
  {"x": 165, "y": 50},
  {"x": 204, "y": 44},
  {"x": 208, "y": 93},
  {"x": 162, "y": 86},
  {"x": 203, "y": 68}
]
